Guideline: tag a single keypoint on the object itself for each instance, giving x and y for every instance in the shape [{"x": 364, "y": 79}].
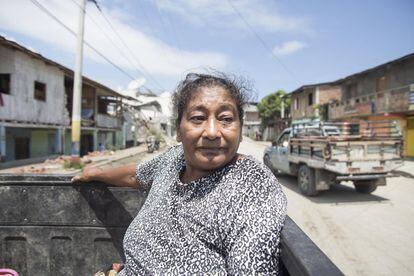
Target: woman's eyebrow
[
  {"x": 222, "y": 107},
  {"x": 226, "y": 107}
]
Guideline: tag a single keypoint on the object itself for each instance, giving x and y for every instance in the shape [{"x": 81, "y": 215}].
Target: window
[
  {"x": 382, "y": 83},
  {"x": 40, "y": 91},
  {"x": 284, "y": 140},
  {"x": 310, "y": 99},
  {"x": 5, "y": 83}
]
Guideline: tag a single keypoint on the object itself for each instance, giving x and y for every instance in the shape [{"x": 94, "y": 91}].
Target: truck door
[{"x": 282, "y": 162}]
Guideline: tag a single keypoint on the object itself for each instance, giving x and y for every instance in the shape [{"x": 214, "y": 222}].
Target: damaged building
[{"x": 36, "y": 107}]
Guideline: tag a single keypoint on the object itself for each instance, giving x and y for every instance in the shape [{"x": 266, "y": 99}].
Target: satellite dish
[{"x": 136, "y": 84}]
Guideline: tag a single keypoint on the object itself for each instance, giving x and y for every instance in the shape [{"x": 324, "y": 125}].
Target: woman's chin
[{"x": 211, "y": 162}]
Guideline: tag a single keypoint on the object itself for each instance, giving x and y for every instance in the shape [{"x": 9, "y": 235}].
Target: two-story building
[
  {"x": 382, "y": 93},
  {"x": 251, "y": 121},
  {"x": 311, "y": 101},
  {"x": 36, "y": 107}
]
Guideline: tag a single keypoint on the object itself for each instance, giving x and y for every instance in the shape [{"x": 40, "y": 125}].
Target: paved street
[{"x": 362, "y": 234}]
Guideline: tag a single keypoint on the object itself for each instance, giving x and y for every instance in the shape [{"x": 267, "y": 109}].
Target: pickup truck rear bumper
[{"x": 363, "y": 176}]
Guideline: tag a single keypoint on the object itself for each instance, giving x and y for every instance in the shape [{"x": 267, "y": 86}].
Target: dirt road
[{"x": 362, "y": 234}]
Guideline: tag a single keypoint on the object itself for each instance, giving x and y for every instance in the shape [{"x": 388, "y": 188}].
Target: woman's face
[{"x": 210, "y": 129}]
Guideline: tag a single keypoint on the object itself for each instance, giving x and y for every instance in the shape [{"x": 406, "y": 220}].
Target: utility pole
[{"x": 77, "y": 85}]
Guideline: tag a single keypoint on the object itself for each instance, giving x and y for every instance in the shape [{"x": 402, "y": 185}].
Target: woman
[{"x": 209, "y": 209}]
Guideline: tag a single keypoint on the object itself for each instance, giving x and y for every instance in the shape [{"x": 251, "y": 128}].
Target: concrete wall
[
  {"x": 304, "y": 110},
  {"x": 251, "y": 116},
  {"x": 322, "y": 94},
  {"x": 21, "y": 105}
]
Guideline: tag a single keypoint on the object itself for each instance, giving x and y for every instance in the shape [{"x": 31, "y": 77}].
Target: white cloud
[
  {"x": 156, "y": 56},
  {"x": 288, "y": 48},
  {"x": 259, "y": 14}
]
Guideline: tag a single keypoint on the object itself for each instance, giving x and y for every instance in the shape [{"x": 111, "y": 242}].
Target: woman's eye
[
  {"x": 227, "y": 119},
  {"x": 197, "y": 119}
]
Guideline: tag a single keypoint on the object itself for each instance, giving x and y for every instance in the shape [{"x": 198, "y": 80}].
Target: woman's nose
[{"x": 212, "y": 130}]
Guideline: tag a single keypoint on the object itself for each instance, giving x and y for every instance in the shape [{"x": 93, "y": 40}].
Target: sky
[{"x": 274, "y": 44}]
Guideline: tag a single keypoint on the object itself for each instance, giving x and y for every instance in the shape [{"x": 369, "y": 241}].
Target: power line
[
  {"x": 149, "y": 75},
  {"x": 45, "y": 10},
  {"x": 264, "y": 44},
  {"x": 110, "y": 39}
]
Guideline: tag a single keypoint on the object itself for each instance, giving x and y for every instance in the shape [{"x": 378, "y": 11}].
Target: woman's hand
[{"x": 89, "y": 174}]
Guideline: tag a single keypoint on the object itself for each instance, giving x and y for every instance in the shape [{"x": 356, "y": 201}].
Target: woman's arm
[{"x": 121, "y": 176}]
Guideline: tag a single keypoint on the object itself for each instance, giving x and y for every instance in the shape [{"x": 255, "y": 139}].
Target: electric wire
[
  {"x": 110, "y": 39},
  {"x": 264, "y": 44},
  {"x": 45, "y": 10},
  {"x": 143, "y": 69}
]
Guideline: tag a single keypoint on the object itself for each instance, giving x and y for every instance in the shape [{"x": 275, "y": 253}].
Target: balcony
[
  {"x": 108, "y": 121},
  {"x": 395, "y": 100}
]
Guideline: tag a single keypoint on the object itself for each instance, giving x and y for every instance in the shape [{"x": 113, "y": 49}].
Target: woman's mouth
[{"x": 211, "y": 150}]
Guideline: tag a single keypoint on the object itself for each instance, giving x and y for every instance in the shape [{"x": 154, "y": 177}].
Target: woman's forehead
[{"x": 214, "y": 93}]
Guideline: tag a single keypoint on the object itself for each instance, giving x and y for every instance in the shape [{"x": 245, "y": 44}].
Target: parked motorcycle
[{"x": 152, "y": 144}]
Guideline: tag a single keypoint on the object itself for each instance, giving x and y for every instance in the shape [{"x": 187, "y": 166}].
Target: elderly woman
[{"x": 209, "y": 209}]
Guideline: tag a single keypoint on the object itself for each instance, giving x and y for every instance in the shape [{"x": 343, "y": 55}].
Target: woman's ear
[{"x": 179, "y": 138}]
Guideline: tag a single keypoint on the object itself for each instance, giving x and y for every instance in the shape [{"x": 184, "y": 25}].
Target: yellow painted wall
[
  {"x": 409, "y": 141},
  {"x": 403, "y": 123}
]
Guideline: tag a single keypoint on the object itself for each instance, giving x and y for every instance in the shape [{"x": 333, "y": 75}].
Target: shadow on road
[
  {"x": 404, "y": 174},
  {"x": 337, "y": 194}
]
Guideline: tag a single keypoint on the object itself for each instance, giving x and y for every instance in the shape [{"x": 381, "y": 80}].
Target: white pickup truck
[{"x": 326, "y": 154}]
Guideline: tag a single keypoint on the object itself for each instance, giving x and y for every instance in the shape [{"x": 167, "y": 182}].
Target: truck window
[{"x": 282, "y": 139}]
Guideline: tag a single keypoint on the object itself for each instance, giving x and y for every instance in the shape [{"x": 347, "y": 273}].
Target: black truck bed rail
[{"x": 50, "y": 226}]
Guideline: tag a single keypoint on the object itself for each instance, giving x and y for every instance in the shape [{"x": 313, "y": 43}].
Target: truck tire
[
  {"x": 306, "y": 181},
  {"x": 366, "y": 186}
]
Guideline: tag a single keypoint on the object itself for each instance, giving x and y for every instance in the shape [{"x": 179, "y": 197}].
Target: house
[
  {"x": 382, "y": 93},
  {"x": 149, "y": 114},
  {"x": 251, "y": 120},
  {"x": 311, "y": 101},
  {"x": 36, "y": 108},
  {"x": 157, "y": 111}
]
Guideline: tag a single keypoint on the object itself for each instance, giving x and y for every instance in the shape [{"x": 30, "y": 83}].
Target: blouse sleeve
[{"x": 253, "y": 236}]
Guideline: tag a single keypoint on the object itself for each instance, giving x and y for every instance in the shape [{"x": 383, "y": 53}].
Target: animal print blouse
[{"x": 228, "y": 222}]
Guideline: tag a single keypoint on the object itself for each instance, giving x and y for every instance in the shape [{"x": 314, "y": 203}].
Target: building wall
[
  {"x": 21, "y": 105},
  {"x": 251, "y": 116},
  {"x": 322, "y": 94},
  {"x": 303, "y": 110},
  {"x": 328, "y": 93}
]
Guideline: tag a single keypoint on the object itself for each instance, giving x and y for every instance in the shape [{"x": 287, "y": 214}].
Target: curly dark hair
[{"x": 238, "y": 88}]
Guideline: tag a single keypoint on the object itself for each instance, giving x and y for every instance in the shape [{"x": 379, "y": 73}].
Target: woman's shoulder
[
  {"x": 252, "y": 176},
  {"x": 253, "y": 169}
]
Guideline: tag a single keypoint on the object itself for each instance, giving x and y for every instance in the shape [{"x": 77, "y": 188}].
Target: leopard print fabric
[{"x": 228, "y": 222}]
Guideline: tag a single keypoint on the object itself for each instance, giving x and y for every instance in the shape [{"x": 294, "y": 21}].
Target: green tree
[{"x": 270, "y": 107}]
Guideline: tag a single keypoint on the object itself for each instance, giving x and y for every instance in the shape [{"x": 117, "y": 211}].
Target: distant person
[
  {"x": 101, "y": 147},
  {"x": 209, "y": 209}
]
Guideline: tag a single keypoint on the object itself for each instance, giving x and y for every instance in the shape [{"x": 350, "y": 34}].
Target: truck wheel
[
  {"x": 306, "y": 181},
  {"x": 267, "y": 163},
  {"x": 366, "y": 186}
]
